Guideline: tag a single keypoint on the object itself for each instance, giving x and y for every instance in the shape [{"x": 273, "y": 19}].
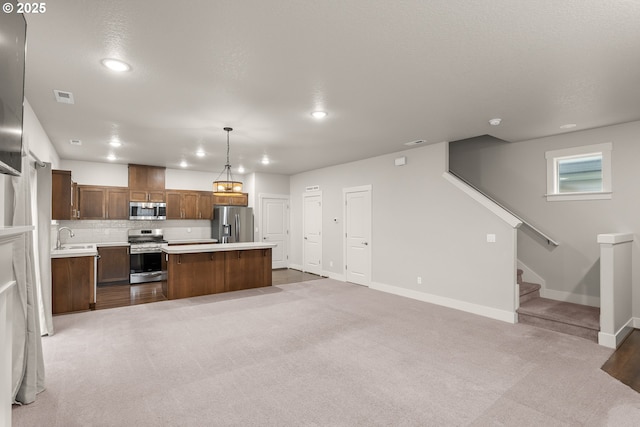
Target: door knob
[{"x": 365, "y": 243}]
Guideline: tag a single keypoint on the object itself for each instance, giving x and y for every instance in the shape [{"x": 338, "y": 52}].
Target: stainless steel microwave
[{"x": 147, "y": 211}]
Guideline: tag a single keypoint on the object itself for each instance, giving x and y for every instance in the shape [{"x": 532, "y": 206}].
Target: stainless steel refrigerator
[{"x": 232, "y": 224}]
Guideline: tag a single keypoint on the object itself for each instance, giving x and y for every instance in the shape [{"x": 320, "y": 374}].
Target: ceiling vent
[
  {"x": 416, "y": 142},
  {"x": 75, "y": 142},
  {"x": 63, "y": 97}
]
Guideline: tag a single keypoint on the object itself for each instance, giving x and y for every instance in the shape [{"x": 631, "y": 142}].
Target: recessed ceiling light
[
  {"x": 116, "y": 65},
  {"x": 495, "y": 122},
  {"x": 200, "y": 153},
  {"x": 183, "y": 164},
  {"x": 319, "y": 114},
  {"x": 568, "y": 126},
  {"x": 111, "y": 157},
  {"x": 75, "y": 142},
  {"x": 240, "y": 169},
  {"x": 265, "y": 160},
  {"x": 115, "y": 143}
]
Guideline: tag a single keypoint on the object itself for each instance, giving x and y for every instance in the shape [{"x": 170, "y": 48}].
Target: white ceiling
[{"x": 387, "y": 72}]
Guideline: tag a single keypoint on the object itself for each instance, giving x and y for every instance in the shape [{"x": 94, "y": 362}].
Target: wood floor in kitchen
[{"x": 112, "y": 296}]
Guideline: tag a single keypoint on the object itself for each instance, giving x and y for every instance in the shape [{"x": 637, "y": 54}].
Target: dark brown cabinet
[
  {"x": 194, "y": 274},
  {"x": 241, "y": 199},
  {"x": 143, "y": 177},
  {"x": 72, "y": 284},
  {"x": 113, "y": 264},
  {"x": 247, "y": 269},
  {"x": 146, "y": 196},
  {"x": 91, "y": 202},
  {"x": 205, "y": 205},
  {"x": 103, "y": 202},
  {"x": 203, "y": 273},
  {"x": 185, "y": 204},
  {"x": 61, "y": 195}
]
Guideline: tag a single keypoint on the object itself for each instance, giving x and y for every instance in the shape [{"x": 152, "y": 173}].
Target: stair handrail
[{"x": 532, "y": 227}]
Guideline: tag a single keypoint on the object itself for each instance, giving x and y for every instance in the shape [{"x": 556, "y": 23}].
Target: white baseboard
[
  {"x": 295, "y": 267},
  {"x": 481, "y": 310},
  {"x": 570, "y": 297},
  {"x": 614, "y": 340},
  {"x": 335, "y": 276}
]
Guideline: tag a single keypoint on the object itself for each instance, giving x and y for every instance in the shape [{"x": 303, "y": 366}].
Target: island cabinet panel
[
  {"x": 202, "y": 273},
  {"x": 71, "y": 284},
  {"x": 246, "y": 269},
  {"x": 194, "y": 274}
]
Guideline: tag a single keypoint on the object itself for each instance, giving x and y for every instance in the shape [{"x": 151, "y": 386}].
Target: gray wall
[
  {"x": 422, "y": 226},
  {"x": 515, "y": 173}
]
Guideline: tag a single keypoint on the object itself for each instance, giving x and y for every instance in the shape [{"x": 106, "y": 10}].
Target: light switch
[{"x": 491, "y": 238}]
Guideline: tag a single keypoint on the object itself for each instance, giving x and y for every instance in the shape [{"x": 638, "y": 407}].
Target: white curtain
[
  {"x": 27, "y": 361},
  {"x": 41, "y": 208}
]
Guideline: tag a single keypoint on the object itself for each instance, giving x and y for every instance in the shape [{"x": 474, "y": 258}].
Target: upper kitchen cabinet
[
  {"x": 142, "y": 177},
  {"x": 61, "y": 194},
  {"x": 146, "y": 183},
  {"x": 185, "y": 204},
  {"x": 239, "y": 199},
  {"x": 146, "y": 196},
  {"x": 103, "y": 202}
]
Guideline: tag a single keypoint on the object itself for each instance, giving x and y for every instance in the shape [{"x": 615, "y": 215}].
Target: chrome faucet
[{"x": 58, "y": 244}]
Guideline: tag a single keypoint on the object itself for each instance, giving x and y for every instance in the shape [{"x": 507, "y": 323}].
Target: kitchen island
[{"x": 202, "y": 269}]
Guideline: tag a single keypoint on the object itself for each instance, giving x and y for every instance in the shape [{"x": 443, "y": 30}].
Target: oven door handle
[{"x": 151, "y": 274}]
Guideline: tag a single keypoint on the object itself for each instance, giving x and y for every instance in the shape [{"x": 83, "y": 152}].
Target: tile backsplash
[{"x": 99, "y": 231}]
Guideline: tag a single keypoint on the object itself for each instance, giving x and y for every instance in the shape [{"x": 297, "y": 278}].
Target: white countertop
[
  {"x": 105, "y": 244},
  {"x": 191, "y": 241},
  {"x": 216, "y": 247},
  {"x": 71, "y": 250}
]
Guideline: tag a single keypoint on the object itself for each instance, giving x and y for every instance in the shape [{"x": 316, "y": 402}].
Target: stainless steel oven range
[{"x": 146, "y": 255}]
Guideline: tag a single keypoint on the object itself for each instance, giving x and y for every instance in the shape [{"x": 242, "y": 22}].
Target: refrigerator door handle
[{"x": 237, "y": 227}]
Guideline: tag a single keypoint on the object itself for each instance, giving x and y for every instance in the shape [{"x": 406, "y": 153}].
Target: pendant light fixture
[{"x": 228, "y": 185}]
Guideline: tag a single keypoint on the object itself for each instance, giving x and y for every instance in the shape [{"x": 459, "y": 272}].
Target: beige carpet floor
[{"x": 318, "y": 353}]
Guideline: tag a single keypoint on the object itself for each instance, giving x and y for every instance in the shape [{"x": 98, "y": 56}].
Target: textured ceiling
[{"x": 387, "y": 72}]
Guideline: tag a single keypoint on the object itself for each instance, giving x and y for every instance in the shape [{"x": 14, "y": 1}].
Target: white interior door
[
  {"x": 358, "y": 235},
  {"x": 275, "y": 229},
  {"x": 312, "y": 232}
]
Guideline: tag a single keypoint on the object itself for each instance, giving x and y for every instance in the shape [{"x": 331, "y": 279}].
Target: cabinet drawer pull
[{"x": 179, "y": 260}]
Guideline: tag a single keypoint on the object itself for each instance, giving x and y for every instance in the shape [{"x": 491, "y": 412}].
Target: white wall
[
  {"x": 422, "y": 226},
  {"x": 516, "y": 174},
  {"x": 34, "y": 138},
  {"x": 96, "y": 173}
]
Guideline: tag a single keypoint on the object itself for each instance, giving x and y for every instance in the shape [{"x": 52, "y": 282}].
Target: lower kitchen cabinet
[
  {"x": 194, "y": 274},
  {"x": 203, "y": 273},
  {"x": 72, "y": 284},
  {"x": 247, "y": 269},
  {"x": 113, "y": 264}
]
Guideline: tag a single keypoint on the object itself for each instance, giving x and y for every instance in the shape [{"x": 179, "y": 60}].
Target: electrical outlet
[
  {"x": 419, "y": 280},
  {"x": 330, "y": 263},
  {"x": 491, "y": 238}
]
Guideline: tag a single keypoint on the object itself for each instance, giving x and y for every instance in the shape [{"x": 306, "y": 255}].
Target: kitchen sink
[{"x": 72, "y": 247}]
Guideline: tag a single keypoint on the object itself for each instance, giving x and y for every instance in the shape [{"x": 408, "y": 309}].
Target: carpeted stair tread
[
  {"x": 564, "y": 312},
  {"x": 527, "y": 288}
]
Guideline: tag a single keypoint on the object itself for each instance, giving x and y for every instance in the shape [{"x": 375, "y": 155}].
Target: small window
[{"x": 580, "y": 173}]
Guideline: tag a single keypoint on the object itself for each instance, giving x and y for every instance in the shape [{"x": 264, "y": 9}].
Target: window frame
[{"x": 552, "y": 158}]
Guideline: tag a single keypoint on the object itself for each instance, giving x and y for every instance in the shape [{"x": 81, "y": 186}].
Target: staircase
[{"x": 572, "y": 319}]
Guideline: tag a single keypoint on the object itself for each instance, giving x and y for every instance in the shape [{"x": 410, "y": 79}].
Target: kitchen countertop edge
[{"x": 216, "y": 247}]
